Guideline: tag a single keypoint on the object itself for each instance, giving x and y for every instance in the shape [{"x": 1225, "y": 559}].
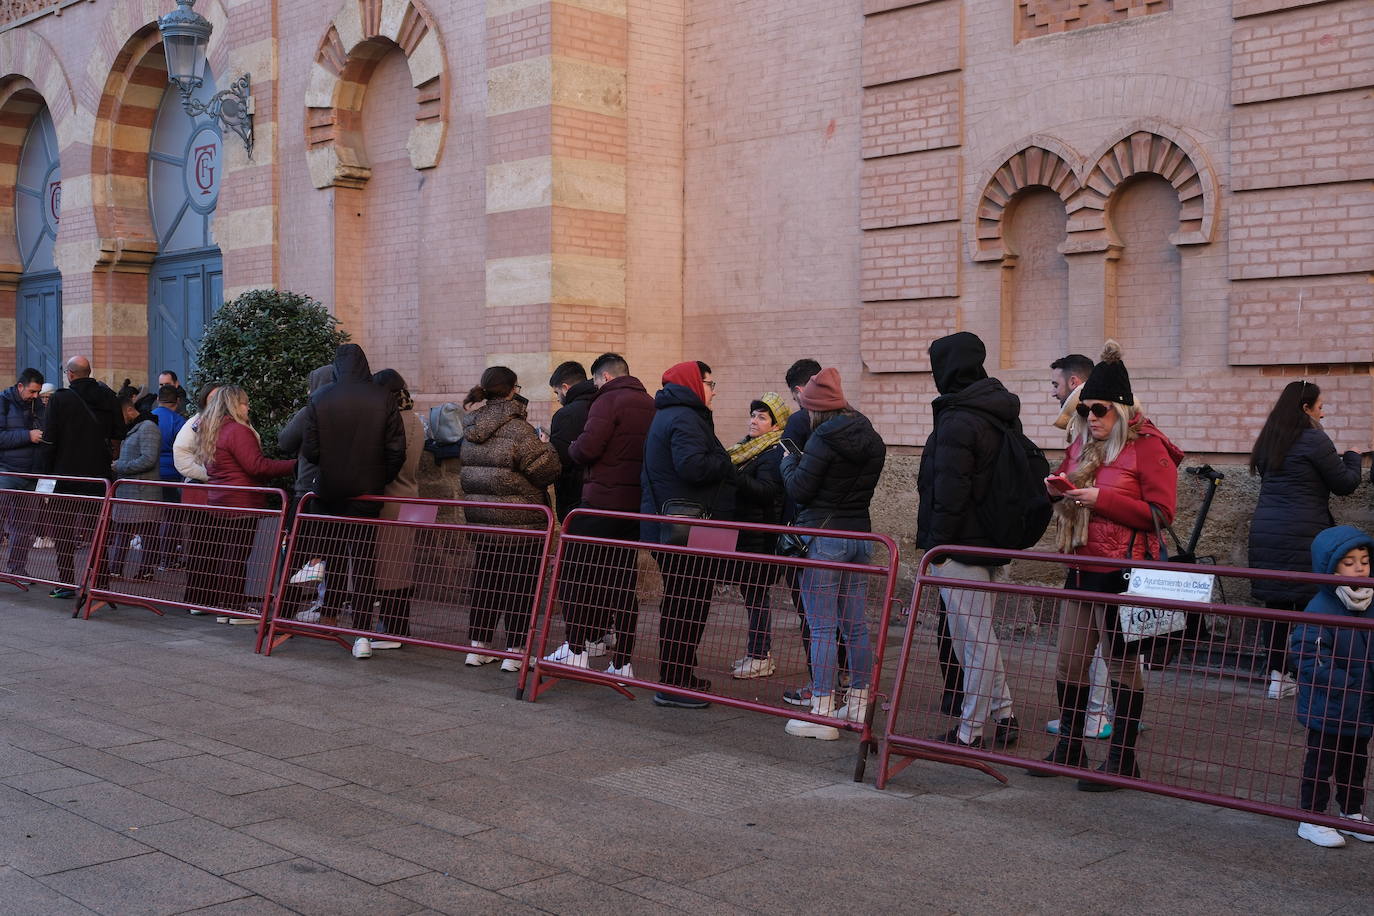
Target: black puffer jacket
[
  {"x": 567, "y": 424},
  {"x": 832, "y": 482},
  {"x": 79, "y": 425},
  {"x": 1293, "y": 508},
  {"x": 758, "y": 499},
  {"x": 683, "y": 459},
  {"x": 353, "y": 430},
  {"x": 956, "y": 466}
]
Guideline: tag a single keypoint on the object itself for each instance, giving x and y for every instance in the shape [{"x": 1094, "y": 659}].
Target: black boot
[
  {"x": 1130, "y": 705},
  {"x": 1073, "y": 706}
]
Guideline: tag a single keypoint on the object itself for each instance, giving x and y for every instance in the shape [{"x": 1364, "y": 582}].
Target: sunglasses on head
[{"x": 1097, "y": 410}]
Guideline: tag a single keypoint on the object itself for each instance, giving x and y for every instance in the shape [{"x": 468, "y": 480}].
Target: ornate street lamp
[{"x": 185, "y": 37}]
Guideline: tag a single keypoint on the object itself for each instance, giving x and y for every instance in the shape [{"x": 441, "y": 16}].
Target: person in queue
[
  {"x": 686, "y": 466},
  {"x": 574, "y": 392},
  {"x": 759, "y": 494},
  {"x": 504, "y": 461},
  {"x": 139, "y": 459},
  {"x": 230, "y": 450},
  {"x": 1122, "y": 471},
  {"x": 396, "y": 543},
  {"x": 1299, "y": 469},
  {"x": 1336, "y": 689},
  {"x": 21, "y": 452},
  {"x": 832, "y": 483}
]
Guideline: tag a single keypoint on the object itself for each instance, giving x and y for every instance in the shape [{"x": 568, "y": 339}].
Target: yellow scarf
[{"x": 748, "y": 449}]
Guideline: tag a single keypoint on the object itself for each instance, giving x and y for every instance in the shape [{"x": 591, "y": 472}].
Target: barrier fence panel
[
  {"x": 393, "y": 571},
  {"x": 1201, "y": 728},
  {"x": 713, "y": 621},
  {"x": 50, "y": 523},
  {"x": 209, "y": 549}
]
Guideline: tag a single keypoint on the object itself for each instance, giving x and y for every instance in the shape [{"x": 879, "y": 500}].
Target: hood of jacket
[
  {"x": 1144, "y": 427},
  {"x": 321, "y": 377},
  {"x": 350, "y": 364},
  {"x": 852, "y": 437},
  {"x": 93, "y": 392},
  {"x": 584, "y": 390},
  {"x": 1334, "y": 543},
  {"x": 986, "y": 394},
  {"x": 672, "y": 395},
  {"x": 483, "y": 423},
  {"x": 622, "y": 382},
  {"x": 957, "y": 361}
]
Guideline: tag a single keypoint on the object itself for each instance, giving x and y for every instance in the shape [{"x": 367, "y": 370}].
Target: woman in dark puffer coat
[
  {"x": 503, "y": 462},
  {"x": 1299, "y": 470}
]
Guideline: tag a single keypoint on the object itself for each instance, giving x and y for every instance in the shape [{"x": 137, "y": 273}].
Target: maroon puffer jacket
[
  {"x": 1145, "y": 472},
  {"x": 611, "y": 446}
]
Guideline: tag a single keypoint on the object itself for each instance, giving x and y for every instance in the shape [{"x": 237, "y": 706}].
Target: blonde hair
[
  {"x": 1116, "y": 439},
  {"x": 229, "y": 402}
]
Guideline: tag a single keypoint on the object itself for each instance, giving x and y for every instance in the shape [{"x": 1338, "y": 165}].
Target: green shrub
[{"x": 268, "y": 341}]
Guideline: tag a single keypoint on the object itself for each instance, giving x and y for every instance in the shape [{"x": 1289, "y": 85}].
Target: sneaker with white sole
[
  {"x": 1361, "y": 820},
  {"x": 238, "y": 621},
  {"x": 1281, "y": 685},
  {"x": 1321, "y": 836},
  {"x": 362, "y": 647},
  {"x": 512, "y": 665},
  {"x": 380, "y": 644},
  {"x": 754, "y": 667},
  {"x": 477, "y": 659},
  {"x": 309, "y": 574},
  {"x": 855, "y": 707},
  {"x": 596, "y": 648},
  {"x": 564, "y": 655},
  {"x": 801, "y": 728},
  {"x": 625, "y": 670},
  {"x": 309, "y": 615}
]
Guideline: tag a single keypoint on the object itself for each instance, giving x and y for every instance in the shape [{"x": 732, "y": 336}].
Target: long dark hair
[
  {"x": 1286, "y": 422},
  {"x": 497, "y": 382}
]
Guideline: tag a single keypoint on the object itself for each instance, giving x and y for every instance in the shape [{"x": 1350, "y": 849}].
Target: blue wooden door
[
  {"x": 184, "y": 291},
  {"x": 39, "y": 325}
]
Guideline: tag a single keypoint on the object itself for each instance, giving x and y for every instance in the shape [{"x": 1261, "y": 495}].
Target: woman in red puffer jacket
[{"x": 1121, "y": 471}]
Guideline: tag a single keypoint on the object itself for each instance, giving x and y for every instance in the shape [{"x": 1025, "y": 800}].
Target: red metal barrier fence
[
  {"x": 1204, "y": 730},
  {"x": 49, "y": 523},
  {"x": 208, "y": 548},
  {"x": 702, "y": 622},
  {"x": 394, "y": 573}
]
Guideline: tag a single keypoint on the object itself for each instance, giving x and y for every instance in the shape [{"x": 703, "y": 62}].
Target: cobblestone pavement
[{"x": 156, "y": 765}]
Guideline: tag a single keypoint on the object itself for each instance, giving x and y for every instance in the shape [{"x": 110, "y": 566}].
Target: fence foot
[{"x": 17, "y": 583}]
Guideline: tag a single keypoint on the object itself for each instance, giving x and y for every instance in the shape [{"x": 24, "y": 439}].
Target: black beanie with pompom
[{"x": 1109, "y": 380}]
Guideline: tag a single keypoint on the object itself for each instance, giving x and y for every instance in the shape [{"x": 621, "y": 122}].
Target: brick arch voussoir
[
  {"x": 360, "y": 34},
  {"x": 1036, "y": 161},
  {"x": 1153, "y": 148}
]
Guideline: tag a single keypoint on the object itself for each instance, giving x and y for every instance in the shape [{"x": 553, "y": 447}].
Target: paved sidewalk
[{"x": 156, "y": 765}]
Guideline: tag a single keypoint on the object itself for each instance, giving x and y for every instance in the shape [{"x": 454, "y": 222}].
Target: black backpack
[{"x": 1015, "y": 510}]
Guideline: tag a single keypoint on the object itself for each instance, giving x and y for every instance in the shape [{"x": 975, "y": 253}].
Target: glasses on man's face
[
  {"x": 709, "y": 383},
  {"x": 1097, "y": 410}
]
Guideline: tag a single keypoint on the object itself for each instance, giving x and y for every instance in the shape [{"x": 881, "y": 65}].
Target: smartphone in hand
[
  {"x": 790, "y": 448},
  {"x": 1058, "y": 483}
]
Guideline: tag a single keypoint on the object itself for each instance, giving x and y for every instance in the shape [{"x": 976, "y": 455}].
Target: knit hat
[
  {"x": 48, "y": 388},
  {"x": 1109, "y": 380},
  {"x": 824, "y": 392},
  {"x": 775, "y": 406}
]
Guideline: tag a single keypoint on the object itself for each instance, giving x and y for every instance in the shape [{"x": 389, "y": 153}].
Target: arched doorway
[
  {"x": 185, "y": 285},
  {"x": 37, "y": 212}
]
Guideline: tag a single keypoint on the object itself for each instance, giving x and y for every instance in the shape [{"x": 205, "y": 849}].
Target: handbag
[
  {"x": 791, "y": 544},
  {"x": 1141, "y": 623},
  {"x": 445, "y": 424}
]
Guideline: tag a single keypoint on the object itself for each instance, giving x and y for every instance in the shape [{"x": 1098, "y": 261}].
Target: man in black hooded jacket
[
  {"x": 954, "y": 480},
  {"x": 353, "y": 434}
]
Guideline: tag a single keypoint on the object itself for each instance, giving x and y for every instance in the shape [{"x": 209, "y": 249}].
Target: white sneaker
[
  {"x": 476, "y": 659},
  {"x": 564, "y": 655},
  {"x": 856, "y": 704},
  {"x": 625, "y": 670},
  {"x": 821, "y": 706},
  {"x": 513, "y": 665},
  {"x": 1359, "y": 819},
  {"x": 1281, "y": 685},
  {"x": 310, "y": 614},
  {"x": 754, "y": 667},
  {"x": 380, "y": 644},
  {"x": 596, "y": 649},
  {"x": 362, "y": 647},
  {"x": 309, "y": 574},
  {"x": 136, "y": 542},
  {"x": 1322, "y": 836},
  {"x": 197, "y": 612},
  {"x": 237, "y": 621}
]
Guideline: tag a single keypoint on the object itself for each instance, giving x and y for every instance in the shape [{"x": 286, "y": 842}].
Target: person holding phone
[
  {"x": 1122, "y": 471},
  {"x": 759, "y": 491}
]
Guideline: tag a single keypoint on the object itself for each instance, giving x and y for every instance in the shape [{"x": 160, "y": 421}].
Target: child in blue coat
[{"x": 1336, "y": 688}]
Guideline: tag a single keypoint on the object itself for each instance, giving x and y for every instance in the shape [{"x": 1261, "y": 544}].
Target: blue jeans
[{"x": 837, "y": 600}]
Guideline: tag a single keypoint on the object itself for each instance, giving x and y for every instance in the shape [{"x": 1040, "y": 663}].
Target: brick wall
[{"x": 1148, "y": 273}]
